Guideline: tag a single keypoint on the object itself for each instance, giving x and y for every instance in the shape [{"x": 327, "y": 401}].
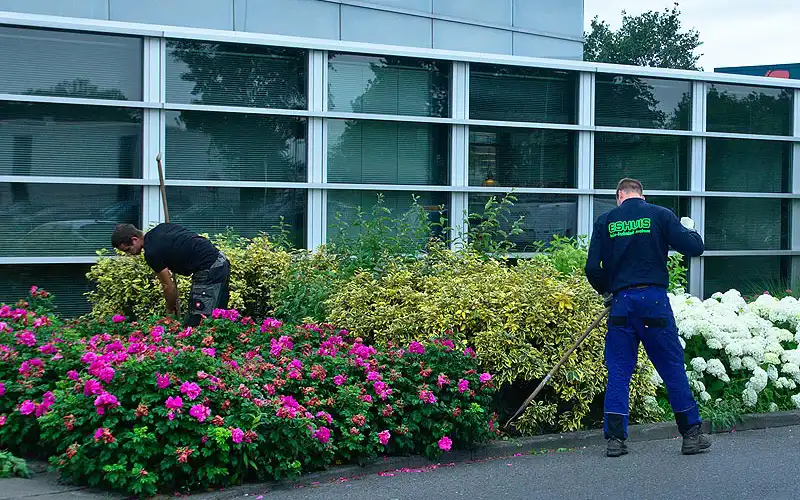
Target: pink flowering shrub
[{"x": 143, "y": 407}]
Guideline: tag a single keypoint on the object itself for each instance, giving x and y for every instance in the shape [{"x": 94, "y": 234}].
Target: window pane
[
  {"x": 67, "y": 283},
  {"x": 513, "y": 93},
  {"x": 544, "y": 216},
  {"x": 660, "y": 162},
  {"x": 68, "y": 140},
  {"x": 521, "y": 157},
  {"x": 227, "y": 74},
  {"x": 746, "y": 224},
  {"x": 38, "y": 220},
  {"x": 753, "y": 166},
  {"x": 67, "y": 64},
  {"x": 388, "y": 85},
  {"x": 343, "y": 208},
  {"x": 245, "y": 211},
  {"x": 678, "y": 205},
  {"x": 750, "y": 110},
  {"x": 637, "y": 102},
  {"x": 372, "y": 152},
  {"x": 235, "y": 146},
  {"x": 750, "y": 275}
]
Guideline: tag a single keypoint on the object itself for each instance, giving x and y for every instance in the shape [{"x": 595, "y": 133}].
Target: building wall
[
  {"x": 540, "y": 28},
  {"x": 259, "y": 129}
]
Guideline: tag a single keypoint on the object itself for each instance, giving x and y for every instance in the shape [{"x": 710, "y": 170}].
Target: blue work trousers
[{"x": 644, "y": 314}]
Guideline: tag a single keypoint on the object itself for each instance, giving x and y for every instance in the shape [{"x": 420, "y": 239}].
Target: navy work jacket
[{"x": 630, "y": 246}]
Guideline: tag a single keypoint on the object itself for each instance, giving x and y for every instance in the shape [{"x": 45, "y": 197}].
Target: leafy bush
[
  {"x": 739, "y": 355},
  {"x": 11, "y": 466},
  {"x": 519, "y": 319},
  {"x": 127, "y": 285},
  {"x": 149, "y": 406}
]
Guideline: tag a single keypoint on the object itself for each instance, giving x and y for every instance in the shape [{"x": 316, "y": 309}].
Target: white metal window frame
[{"x": 154, "y": 106}]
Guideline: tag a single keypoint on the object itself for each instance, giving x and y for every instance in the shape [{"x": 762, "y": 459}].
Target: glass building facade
[{"x": 259, "y": 129}]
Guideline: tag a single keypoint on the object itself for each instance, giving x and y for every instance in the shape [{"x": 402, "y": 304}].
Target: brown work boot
[{"x": 694, "y": 441}]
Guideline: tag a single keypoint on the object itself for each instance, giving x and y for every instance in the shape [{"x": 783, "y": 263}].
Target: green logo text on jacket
[{"x": 629, "y": 227}]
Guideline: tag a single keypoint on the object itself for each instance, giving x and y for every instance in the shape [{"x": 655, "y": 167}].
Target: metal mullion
[
  {"x": 585, "y": 156},
  {"x": 42, "y": 99},
  {"x": 40, "y": 179},
  {"x": 316, "y": 224},
  {"x": 794, "y": 227},
  {"x": 529, "y": 125},
  {"x": 80, "y": 259},
  {"x": 749, "y": 253},
  {"x": 459, "y": 155},
  {"x": 152, "y": 211},
  {"x": 697, "y": 181}
]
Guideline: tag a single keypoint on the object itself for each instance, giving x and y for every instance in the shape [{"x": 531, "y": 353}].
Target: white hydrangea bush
[{"x": 735, "y": 349}]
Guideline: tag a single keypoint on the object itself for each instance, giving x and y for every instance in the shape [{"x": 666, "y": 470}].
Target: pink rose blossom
[
  {"x": 174, "y": 403},
  {"x": 162, "y": 381},
  {"x": 209, "y": 351},
  {"x": 200, "y": 412},
  {"x": 118, "y": 318},
  {"x": 442, "y": 380},
  {"x": 485, "y": 378},
  {"x": 373, "y": 376},
  {"x": 48, "y": 349},
  {"x": 416, "y": 348},
  {"x": 73, "y": 375},
  {"x": 384, "y": 436},
  {"x": 427, "y": 397},
  {"x": 26, "y": 338},
  {"x": 270, "y": 324},
  {"x": 339, "y": 379},
  {"x": 106, "y": 374},
  {"x": 463, "y": 385},
  {"x": 105, "y": 401},
  {"x": 191, "y": 390},
  {"x": 237, "y": 435},
  {"x": 2, "y": 389},
  {"x": 469, "y": 352},
  {"x": 27, "y": 407},
  {"x": 367, "y": 398},
  {"x": 445, "y": 443},
  {"x": 92, "y": 386},
  {"x": 2, "y": 420},
  {"x": 323, "y": 434}
]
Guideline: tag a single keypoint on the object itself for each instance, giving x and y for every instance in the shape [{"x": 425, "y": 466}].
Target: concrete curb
[{"x": 497, "y": 449}]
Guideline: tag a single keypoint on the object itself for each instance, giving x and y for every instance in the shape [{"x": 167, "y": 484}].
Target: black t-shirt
[{"x": 182, "y": 251}]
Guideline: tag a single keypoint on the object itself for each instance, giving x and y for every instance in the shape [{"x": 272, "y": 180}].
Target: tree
[{"x": 652, "y": 39}]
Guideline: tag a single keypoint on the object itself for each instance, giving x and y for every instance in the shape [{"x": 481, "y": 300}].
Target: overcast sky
[{"x": 733, "y": 32}]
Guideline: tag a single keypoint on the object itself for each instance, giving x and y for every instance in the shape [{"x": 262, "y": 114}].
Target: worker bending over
[
  {"x": 627, "y": 263},
  {"x": 170, "y": 248}
]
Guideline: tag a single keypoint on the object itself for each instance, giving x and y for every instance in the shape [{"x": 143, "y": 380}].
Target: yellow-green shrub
[
  {"x": 519, "y": 319},
  {"x": 127, "y": 285}
]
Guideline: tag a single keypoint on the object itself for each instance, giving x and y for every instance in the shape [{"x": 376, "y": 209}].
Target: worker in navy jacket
[{"x": 627, "y": 263}]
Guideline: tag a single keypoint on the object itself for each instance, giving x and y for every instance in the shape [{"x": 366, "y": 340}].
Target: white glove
[{"x": 687, "y": 222}]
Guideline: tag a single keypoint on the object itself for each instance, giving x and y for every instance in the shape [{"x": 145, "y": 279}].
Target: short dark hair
[
  {"x": 628, "y": 185},
  {"x": 123, "y": 235}
]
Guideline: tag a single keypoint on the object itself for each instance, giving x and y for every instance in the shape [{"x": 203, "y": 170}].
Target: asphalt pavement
[{"x": 761, "y": 464}]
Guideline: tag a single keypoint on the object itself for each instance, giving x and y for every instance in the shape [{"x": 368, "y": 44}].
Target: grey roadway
[
  {"x": 762, "y": 464},
  {"x": 759, "y": 464}
]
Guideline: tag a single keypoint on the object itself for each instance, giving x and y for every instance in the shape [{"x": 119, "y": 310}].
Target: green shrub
[
  {"x": 11, "y": 466},
  {"x": 127, "y": 285},
  {"x": 257, "y": 402},
  {"x": 519, "y": 319}
]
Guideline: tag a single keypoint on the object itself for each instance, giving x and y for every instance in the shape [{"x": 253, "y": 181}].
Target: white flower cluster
[{"x": 746, "y": 336}]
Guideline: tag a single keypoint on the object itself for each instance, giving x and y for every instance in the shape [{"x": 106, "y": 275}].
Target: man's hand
[
  {"x": 687, "y": 222},
  {"x": 170, "y": 291}
]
